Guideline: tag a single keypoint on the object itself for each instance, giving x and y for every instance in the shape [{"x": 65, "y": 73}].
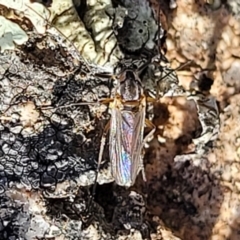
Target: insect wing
[{"x": 126, "y": 140}]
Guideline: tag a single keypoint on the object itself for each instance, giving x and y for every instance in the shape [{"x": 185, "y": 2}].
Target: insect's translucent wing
[
  {"x": 137, "y": 146},
  {"x": 120, "y": 161},
  {"x": 126, "y": 137}
]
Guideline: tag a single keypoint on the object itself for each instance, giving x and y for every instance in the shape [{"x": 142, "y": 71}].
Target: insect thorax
[{"x": 130, "y": 87}]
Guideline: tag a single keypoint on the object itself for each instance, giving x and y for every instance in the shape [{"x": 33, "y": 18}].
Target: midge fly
[{"x": 126, "y": 127}]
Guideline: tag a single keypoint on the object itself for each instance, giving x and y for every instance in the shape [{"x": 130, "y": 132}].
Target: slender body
[{"x": 126, "y": 128}]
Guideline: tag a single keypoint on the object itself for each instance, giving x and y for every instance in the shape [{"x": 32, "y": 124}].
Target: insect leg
[
  {"x": 152, "y": 100},
  {"x": 149, "y": 124},
  {"x": 106, "y": 101},
  {"x": 103, "y": 141}
]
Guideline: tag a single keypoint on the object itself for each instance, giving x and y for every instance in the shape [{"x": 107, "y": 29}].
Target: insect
[{"x": 126, "y": 126}]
